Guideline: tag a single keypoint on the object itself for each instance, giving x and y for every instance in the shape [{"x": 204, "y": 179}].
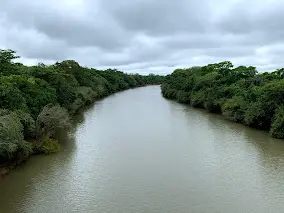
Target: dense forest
[
  {"x": 37, "y": 101},
  {"x": 239, "y": 93}
]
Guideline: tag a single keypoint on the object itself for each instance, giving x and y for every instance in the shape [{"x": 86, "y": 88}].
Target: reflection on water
[{"x": 137, "y": 152}]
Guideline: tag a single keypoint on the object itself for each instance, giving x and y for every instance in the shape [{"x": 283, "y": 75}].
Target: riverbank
[
  {"x": 4, "y": 171},
  {"x": 8, "y": 167},
  {"x": 239, "y": 93},
  {"x": 135, "y": 151},
  {"x": 37, "y": 101}
]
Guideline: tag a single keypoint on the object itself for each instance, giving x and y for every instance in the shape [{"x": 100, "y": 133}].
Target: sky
[{"x": 145, "y": 36}]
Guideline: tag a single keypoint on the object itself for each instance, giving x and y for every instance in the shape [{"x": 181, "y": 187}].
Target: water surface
[{"x": 138, "y": 152}]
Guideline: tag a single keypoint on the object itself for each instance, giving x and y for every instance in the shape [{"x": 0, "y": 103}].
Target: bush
[
  {"x": 50, "y": 120},
  {"x": 277, "y": 127},
  {"x": 28, "y": 124},
  {"x": 12, "y": 143},
  {"x": 235, "y": 108},
  {"x": 198, "y": 99},
  {"x": 76, "y": 105},
  {"x": 183, "y": 97},
  {"x": 46, "y": 146},
  {"x": 259, "y": 115},
  {"x": 86, "y": 94}
]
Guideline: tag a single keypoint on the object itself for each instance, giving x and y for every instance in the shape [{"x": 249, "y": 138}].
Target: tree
[
  {"x": 239, "y": 93},
  {"x": 6, "y": 65},
  {"x": 10, "y": 96},
  {"x": 277, "y": 127},
  {"x": 35, "y": 101},
  {"x": 12, "y": 144},
  {"x": 51, "y": 119}
]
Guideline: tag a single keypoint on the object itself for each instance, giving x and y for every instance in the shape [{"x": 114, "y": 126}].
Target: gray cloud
[
  {"x": 160, "y": 17},
  {"x": 80, "y": 28},
  {"x": 145, "y": 35}
]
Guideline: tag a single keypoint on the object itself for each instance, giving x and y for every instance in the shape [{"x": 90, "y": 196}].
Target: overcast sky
[{"x": 145, "y": 35}]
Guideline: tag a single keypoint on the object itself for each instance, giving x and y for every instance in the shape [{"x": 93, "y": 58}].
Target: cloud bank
[{"x": 145, "y": 36}]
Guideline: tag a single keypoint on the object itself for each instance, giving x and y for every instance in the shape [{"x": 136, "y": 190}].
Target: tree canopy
[
  {"x": 36, "y": 101},
  {"x": 239, "y": 93}
]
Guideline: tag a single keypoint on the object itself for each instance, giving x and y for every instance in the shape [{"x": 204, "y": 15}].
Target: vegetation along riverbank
[
  {"x": 239, "y": 93},
  {"x": 37, "y": 101}
]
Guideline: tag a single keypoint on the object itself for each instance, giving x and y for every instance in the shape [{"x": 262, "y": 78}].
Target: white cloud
[{"x": 145, "y": 35}]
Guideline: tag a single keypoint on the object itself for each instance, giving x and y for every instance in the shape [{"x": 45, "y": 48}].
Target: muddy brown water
[{"x": 138, "y": 152}]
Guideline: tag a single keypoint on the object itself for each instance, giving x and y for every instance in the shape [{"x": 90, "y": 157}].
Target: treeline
[
  {"x": 239, "y": 93},
  {"x": 37, "y": 101}
]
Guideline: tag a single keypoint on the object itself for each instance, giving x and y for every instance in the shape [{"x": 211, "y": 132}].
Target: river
[{"x": 138, "y": 152}]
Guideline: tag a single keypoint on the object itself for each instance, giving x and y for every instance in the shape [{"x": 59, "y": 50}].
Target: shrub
[
  {"x": 277, "y": 127},
  {"x": 28, "y": 123},
  {"x": 183, "y": 97},
  {"x": 234, "y": 108},
  {"x": 12, "y": 143},
  {"x": 46, "y": 146},
  {"x": 50, "y": 120}
]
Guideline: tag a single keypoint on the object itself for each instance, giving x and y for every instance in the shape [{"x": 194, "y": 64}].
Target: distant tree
[
  {"x": 6, "y": 64},
  {"x": 240, "y": 93}
]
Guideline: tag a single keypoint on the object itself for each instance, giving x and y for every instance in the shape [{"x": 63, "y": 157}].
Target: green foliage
[
  {"x": 11, "y": 96},
  {"x": 64, "y": 83},
  {"x": 130, "y": 80},
  {"x": 235, "y": 108},
  {"x": 50, "y": 120},
  {"x": 76, "y": 105},
  {"x": 28, "y": 123},
  {"x": 239, "y": 93},
  {"x": 7, "y": 67},
  {"x": 12, "y": 144},
  {"x": 198, "y": 98},
  {"x": 86, "y": 94},
  {"x": 277, "y": 127},
  {"x": 46, "y": 146},
  {"x": 35, "y": 101},
  {"x": 183, "y": 97},
  {"x": 259, "y": 115},
  {"x": 32, "y": 94}
]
